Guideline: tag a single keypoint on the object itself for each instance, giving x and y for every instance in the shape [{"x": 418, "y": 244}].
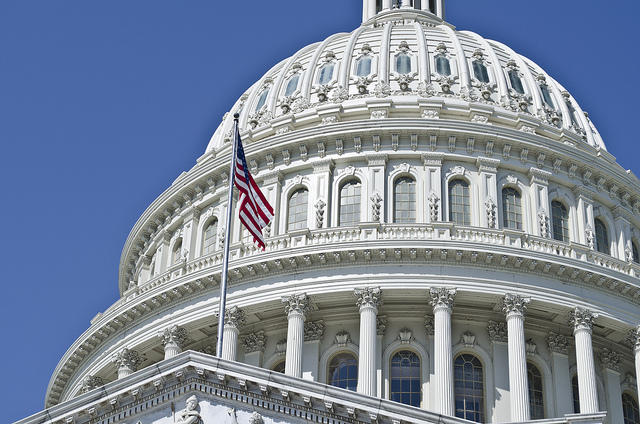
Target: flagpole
[{"x": 227, "y": 239}]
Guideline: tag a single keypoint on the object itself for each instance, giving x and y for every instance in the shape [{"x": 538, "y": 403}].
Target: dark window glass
[
  {"x": 546, "y": 96},
  {"x": 469, "y": 388},
  {"x": 442, "y": 66},
  {"x": 403, "y": 63},
  {"x": 325, "y": 74},
  {"x": 480, "y": 71},
  {"x": 516, "y": 82},
  {"x": 576, "y": 395},
  {"x": 363, "y": 66},
  {"x": 262, "y": 99},
  {"x": 630, "y": 410},
  {"x": 343, "y": 371},
  {"x": 405, "y": 378},
  {"x": 560, "y": 221},
  {"x": 636, "y": 254},
  {"x": 511, "y": 208},
  {"x": 404, "y": 200},
  {"x": 279, "y": 367},
  {"x": 536, "y": 398},
  {"x": 209, "y": 240},
  {"x": 349, "y": 203},
  {"x": 297, "y": 214},
  {"x": 177, "y": 250},
  {"x": 292, "y": 85},
  {"x": 459, "y": 202},
  {"x": 602, "y": 237}
]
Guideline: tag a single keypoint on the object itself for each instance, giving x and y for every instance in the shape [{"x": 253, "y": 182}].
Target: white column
[
  {"x": 254, "y": 344},
  {"x": 386, "y": 4},
  {"x": 499, "y": 340},
  {"x": 514, "y": 307},
  {"x": 405, "y": 3},
  {"x": 559, "y": 346},
  {"x": 296, "y": 308},
  {"x": 172, "y": 339},
  {"x": 611, "y": 363},
  {"x": 440, "y": 8},
  {"x": 233, "y": 319},
  {"x": 582, "y": 321},
  {"x": 127, "y": 361},
  {"x": 636, "y": 352},
  {"x": 368, "y": 300},
  {"x": 313, "y": 333},
  {"x": 442, "y": 302}
]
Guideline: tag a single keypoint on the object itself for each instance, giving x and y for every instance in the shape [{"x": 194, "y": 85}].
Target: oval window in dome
[
  {"x": 325, "y": 74},
  {"x": 363, "y": 66},
  {"x": 480, "y": 71},
  {"x": 546, "y": 96},
  {"x": 292, "y": 85},
  {"x": 442, "y": 66},
  {"x": 262, "y": 99},
  {"x": 516, "y": 82},
  {"x": 403, "y": 63}
]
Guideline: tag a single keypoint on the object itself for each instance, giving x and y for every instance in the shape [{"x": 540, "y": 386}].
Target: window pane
[
  {"x": 177, "y": 250},
  {"x": 292, "y": 85},
  {"x": 262, "y": 99},
  {"x": 297, "y": 217},
  {"x": 480, "y": 71},
  {"x": 469, "y": 388},
  {"x": 209, "y": 241},
  {"x": 546, "y": 96},
  {"x": 405, "y": 378},
  {"x": 403, "y": 63},
  {"x": 349, "y": 203},
  {"x": 404, "y": 201},
  {"x": 511, "y": 208},
  {"x": 442, "y": 66},
  {"x": 602, "y": 237},
  {"x": 363, "y": 66},
  {"x": 536, "y": 398},
  {"x": 326, "y": 72},
  {"x": 560, "y": 221},
  {"x": 636, "y": 254},
  {"x": 459, "y": 202},
  {"x": 343, "y": 371},
  {"x": 630, "y": 410},
  {"x": 516, "y": 82},
  {"x": 576, "y": 396}
]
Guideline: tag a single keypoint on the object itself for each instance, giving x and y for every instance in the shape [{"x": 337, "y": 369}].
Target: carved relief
[
  {"x": 543, "y": 223},
  {"x": 497, "y": 331},
  {"x": 376, "y": 206},
  {"x": 490, "y": 209},
  {"x": 368, "y": 296},
  {"x": 434, "y": 207},
  {"x": 405, "y": 336},
  {"x": 190, "y": 414},
  {"x": 313, "y": 330},
  {"x": 514, "y": 304},
  {"x": 558, "y": 343},
  {"x": 297, "y": 303},
  {"x": 582, "y": 319},
  {"x": 320, "y": 204},
  {"x": 442, "y": 297},
  {"x": 342, "y": 338},
  {"x": 254, "y": 342}
]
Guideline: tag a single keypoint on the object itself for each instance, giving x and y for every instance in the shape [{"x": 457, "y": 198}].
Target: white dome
[{"x": 291, "y": 93}]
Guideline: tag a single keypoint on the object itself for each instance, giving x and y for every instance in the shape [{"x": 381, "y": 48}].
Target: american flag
[{"x": 254, "y": 212}]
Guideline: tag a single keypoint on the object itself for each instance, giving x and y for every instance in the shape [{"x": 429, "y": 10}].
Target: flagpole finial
[{"x": 236, "y": 116}]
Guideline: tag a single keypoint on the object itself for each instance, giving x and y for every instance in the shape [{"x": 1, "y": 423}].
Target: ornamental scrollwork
[
  {"x": 342, "y": 338},
  {"x": 442, "y": 297},
  {"x": 543, "y": 223},
  {"x": 368, "y": 296},
  {"x": 434, "y": 207},
  {"x": 490, "y": 209},
  {"x": 381, "y": 325}
]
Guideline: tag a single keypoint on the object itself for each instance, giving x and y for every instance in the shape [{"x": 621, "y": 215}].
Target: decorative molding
[
  {"x": 297, "y": 303},
  {"x": 254, "y": 342},
  {"x": 405, "y": 336},
  {"x": 342, "y": 338},
  {"x": 582, "y": 319},
  {"x": 557, "y": 343},
  {"x": 234, "y": 317},
  {"x": 514, "y": 304},
  {"x": 314, "y": 330},
  {"x": 610, "y": 359},
  {"x": 368, "y": 297},
  {"x": 468, "y": 339},
  {"x": 174, "y": 335},
  {"x": 429, "y": 325},
  {"x": 442, "y": 297},
  {"x": 497, "y": 331},
  {"x": 381, "y": 325}
]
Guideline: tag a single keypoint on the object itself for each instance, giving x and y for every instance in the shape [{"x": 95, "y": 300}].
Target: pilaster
[
  {"x": 313, "y": 333},
  {"x": 321, "y": 181},
  {"x": 433, "y": 185},
  {"x": 254, "y": 344},
  {"x": 488, "y": 169},
  {"x": 498, "y": 336},
  {"x": 539, "y": 201},
  {"x": 558, "y": 345},
  {"x": 376, "y": 174},
  {"x": 610, "y": 361}
]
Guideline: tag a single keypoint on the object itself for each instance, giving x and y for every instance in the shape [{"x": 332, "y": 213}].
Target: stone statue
[{"x": 190, "y": 414}]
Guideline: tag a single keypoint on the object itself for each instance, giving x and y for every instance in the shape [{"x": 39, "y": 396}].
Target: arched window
[
  {"x": 536, "y": 393},
  {"x": 404, "y": 200},
  {"x": 279, "y": 367},
  {"x": 349, "y": 205},
  {"x": 635, "y": 253},
  {"x": 576, "y": 395},
  {"x": 403, "y": 63},
  {"x": 516, "y": 82},
  {"x": 297, "y": 215},
  {"x": 262, "y": 99},
  {"x": 363, "y": 66},
  {"x": 546, "y": 96},
  {"x": 469, "y": 387},
  {"x": 511, "y": 208},
  {"x": 325, "y": 74},
  {"x": 405, "y": 378},
  {"x": 442, "y": 65},
  {"x": 630, "y": 409},
  {"x": 459, "y": 202},
  {"x": 209, "y": 239},
  {"x": 559, "y": 221},
  {"x": 175, "y": 253},
  {"x": 602, "y": 237},
  {"x": 480, "y": 71},
  {"x": 343, "y": 371},
  {"x": 292, "y": 85}
]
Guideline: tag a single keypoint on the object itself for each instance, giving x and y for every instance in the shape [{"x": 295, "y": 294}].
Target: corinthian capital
[
  {"x": 313, "y": 330},
  {"x": 234, "y": 317},
  {"x": 558, "y": 343},
  {"x": 174, "y": 335},
  {"x": 297, "y": 303},
  {"x": 442, "y": 297},
  {"x": 582, "y": 319},
  {"x": 254, "y": 342},
  {"x": 127, "y": 358},
  {"x": 368, "y": 296},
  {"x": 497, "y": 331},
  {"x": 514, "y": 304},
  {"x": 610, "y": 359},
  {"x": 91, "y": 382}
]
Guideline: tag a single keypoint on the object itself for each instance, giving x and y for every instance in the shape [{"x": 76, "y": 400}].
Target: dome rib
[
  {"x": 345, "y": 69},
  {"x": 423, "y": 54},
  {"x": 503, "y": 90},
  {"x": 307, "y": 81},
  {"x": 282, "y": 76},
  {"x": 385, "y": 51},
  {"x": 461, "y": 58}
]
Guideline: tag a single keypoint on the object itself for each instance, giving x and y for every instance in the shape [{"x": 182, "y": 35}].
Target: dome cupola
[{"x": 374, "y": 8}]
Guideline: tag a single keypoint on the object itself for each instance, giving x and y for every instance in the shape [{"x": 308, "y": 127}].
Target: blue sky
[{"x": 104, "y": 103}]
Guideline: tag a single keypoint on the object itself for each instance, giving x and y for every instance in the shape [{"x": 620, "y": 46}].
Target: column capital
[
  {"x": 497, "y": 331},
  {"x": 297, "y": 304},
  {"x": 442, "y": 297},
  {"x": 514, "y": 304},
  {"x": 381, "y": 324},
  {"x": 173, "y": 334},
  {"x": 254, "y": 342},
  {"x": 91, "y": 382},
  {"x": 610, "y": 359},
  {"x": 127, "y": 358},
  {"x": 368, "y": 297},
  {"x": 234, "y": 317},
  {"x": 634, "y": 339},
  {"x": 558, "y": 343},
  {"x": 582, "y": 319},
  {"x": 429, "y": 325},
  {"x": 314, "y": 330}
]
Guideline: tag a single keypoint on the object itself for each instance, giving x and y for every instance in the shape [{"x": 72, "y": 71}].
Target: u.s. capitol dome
[{"x": 451, "y": 241}]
